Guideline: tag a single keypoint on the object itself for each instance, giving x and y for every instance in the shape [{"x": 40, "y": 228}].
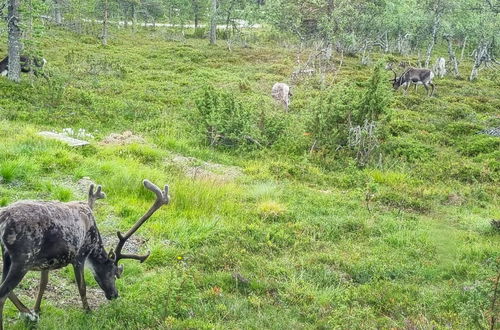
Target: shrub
[
  {"x": 224, "y": 121},
  {"x": 284, "y": 132},
  {"x": 199, "y": 33},
  {"x": 330, "y": 115},
  {"x": 461, "y": 128},
  {"x": 408, "y": 149},
  {"x": 375, "y": 99},
  {"x": 479, "y": 144},
  {"x": 349, "y": 116}
]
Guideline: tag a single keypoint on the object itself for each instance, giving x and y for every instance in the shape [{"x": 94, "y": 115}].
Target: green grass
[{"x": 319, "y": 242}]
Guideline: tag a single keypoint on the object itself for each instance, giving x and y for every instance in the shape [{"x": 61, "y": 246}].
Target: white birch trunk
[
  {"x": 14, "y": 40},
  {"x": 213, "y": 23}
]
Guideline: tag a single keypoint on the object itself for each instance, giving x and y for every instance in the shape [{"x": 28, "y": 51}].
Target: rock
[
  {"x": 494, "y": 131},
  {"x": 63, "y": 138}
]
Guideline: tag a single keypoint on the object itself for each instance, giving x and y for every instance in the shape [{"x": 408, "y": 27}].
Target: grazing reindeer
[
  {"x": 415, "y": 76},
  {"x": 27, "y": 65},
  {"x": 44, "y": 278},
  {"x": 281, "y": 92},
  {"x": 49, "y": 235}
]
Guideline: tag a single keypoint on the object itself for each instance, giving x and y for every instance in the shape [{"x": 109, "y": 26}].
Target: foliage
[
  {"x": 352, "y": 117},
  {"x": 224, "y": 121},
  {"x": 329, "y": 124}
]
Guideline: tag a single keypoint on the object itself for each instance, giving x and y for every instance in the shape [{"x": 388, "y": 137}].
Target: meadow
[{"x": 267, "y": 235}]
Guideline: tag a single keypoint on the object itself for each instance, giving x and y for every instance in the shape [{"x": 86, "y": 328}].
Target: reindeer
[
  {"x": 44, "y": 277},
  {"x": 43, "y": 236},
  {"x": 27, "y": 65},
  {"x": 416, "y": 76},
  {"x": 281, "y": 92},
  {"x": 440, "y": 67}
]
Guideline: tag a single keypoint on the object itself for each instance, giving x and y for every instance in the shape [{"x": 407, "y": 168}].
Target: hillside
[{"x": 273, "y": 235}]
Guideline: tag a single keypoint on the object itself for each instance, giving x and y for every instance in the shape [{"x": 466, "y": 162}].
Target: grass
[{"x": 296, "y": 241}]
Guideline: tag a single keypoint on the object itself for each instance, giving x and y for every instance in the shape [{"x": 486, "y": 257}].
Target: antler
[
  {"x": 162, "y": 198},
  {"x": 95, "y": 196}
]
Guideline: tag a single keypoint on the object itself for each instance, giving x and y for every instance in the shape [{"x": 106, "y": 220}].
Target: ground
[{"x": 265, "y": 238}]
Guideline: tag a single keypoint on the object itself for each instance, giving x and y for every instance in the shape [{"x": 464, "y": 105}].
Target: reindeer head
[
  {"x": 397, "y": 81},
  {"x": 105, "y": 273},
  {"x": 105, "y": 266}
]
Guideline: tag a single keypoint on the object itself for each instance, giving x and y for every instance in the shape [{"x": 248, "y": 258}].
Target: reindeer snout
[{"x": 112, "y": 296}]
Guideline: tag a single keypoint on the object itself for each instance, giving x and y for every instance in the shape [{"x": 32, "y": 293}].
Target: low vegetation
[{"x": 327, "y": 224}]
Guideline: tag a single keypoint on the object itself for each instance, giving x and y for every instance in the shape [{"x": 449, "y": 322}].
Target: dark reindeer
[
  {"x": 28, "y": 64},
  {"x": 44, "y": 276},
  {"x": 414, "y": 76},
  {"x": 44, "y": 236}
]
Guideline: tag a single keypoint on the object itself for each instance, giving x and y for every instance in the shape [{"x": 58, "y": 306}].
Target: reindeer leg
[
  {"x": 406, "y": 88},
  {"x": 25, "y": 311},
  {"x": 80, "y": 281},
  {"x": 426, "y": 89},
  {"x": 44, "y": 279},
  {"x": 10, "y": 281},
  {"x": 433, "y": 87}
]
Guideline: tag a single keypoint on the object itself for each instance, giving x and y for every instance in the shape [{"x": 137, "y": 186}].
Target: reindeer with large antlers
[{"x": 49, "y": 235}]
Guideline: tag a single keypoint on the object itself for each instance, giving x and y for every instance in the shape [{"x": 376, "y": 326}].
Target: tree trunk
[
  {"x": 386, "y": 42},
  {"x": 196, "y": 11},
  {"x": 125, "y": 17},
  {"x": 480, "y": 55},
  {"x": 14, "y": 39},
  {"x": 105, "y": 24},
  {"x": 453, "y": 58},
  {"x": 463, "y": 49},
  {"x": 402, "y": 44},
  {"x": 435, "y": 28},
  {"x": 228, "y": 18},
  {"x": 57, "y": 12},
  {"x": 213, "y": 23},
  {"x": 134, "y": 18}
]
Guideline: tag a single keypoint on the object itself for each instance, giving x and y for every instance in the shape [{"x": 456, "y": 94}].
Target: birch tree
[
  {"x": 213, "y": 23},
  {"x": 14, "y": 40}
]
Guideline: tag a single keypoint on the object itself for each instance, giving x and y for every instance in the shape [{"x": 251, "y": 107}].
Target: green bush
[
  {"x": 284, "y": 132},
  {"x": 479, "y": 144},
  {"x": 199, "y": 33},
  {"x": 461, "y": 128},
  {"x": 353, "y": 117},
  {"x": 224, "y": 122},
  {"x": 409, "y": 149},
  {"x": 329, "y": 121}
]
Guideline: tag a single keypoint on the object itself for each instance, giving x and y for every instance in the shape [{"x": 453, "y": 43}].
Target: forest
[{"x": 312, "y": 183}]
